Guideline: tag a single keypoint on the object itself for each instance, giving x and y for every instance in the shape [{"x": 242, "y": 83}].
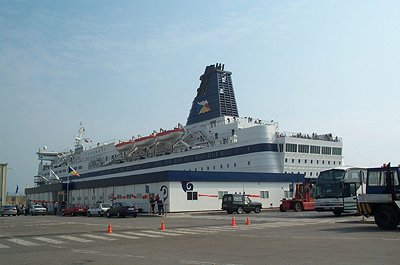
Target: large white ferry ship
[{"x": 214, "y": 139}]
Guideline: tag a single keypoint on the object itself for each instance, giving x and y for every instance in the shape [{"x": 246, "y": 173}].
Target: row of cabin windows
[
  {"x": 317, "y": 161},
  {"x": 61, "y": 171},
  {"x": 312, "y": 149},
  {"x": 214, "y": 167},
  {"x": 311, "y": 174}
]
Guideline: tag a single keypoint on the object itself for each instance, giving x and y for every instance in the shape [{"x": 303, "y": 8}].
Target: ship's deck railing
[
  {"x": 241, "y": 120},
  {"x": 323, "y": 137},
  {"x": 100, "y": 144}
]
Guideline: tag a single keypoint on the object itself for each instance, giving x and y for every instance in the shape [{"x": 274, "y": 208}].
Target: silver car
[
  {"x": 8, "y": 210},
  {"x": 37, "y": 209},
  {"x": 98, "y": 209}
]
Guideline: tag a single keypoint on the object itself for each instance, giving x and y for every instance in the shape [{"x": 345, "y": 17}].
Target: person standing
[
  {"x": 55, "y": 208},
  {"x": 160, "y": 205},
  {"x": 152, "y": 204}
]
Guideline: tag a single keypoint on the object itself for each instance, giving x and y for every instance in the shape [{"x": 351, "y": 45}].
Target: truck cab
[{"x": 382, "y": 198}]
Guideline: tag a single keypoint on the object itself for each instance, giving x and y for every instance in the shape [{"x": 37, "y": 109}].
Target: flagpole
[{"x": 68, "y": 190}]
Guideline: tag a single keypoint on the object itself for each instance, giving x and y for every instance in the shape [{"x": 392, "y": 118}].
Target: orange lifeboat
[
  {"x": 145, "y": 141},
  {"x": 170, "y": 135},
  {"x": 125, "y": 145}
]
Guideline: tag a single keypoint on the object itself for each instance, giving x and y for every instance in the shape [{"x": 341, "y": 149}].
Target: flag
[
  {"x": 52, "y": 173},
  {"x": 73, "y": 172},
  {"x": 17, "y": 189}
]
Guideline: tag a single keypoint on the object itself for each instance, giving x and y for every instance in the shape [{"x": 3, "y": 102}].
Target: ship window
[
  {"x": 208, "y": 168},
  {"x": 280, "y": 147},
  {"x": 311, "y": 161},
  {"x": 285, "y": 160},
  {"x": 323, "y": 162},
  {"x": 317, "y": 161},
  {"x": 303, "y": 148},
  {"x": 248, "y": 163},
  {"x": 234, "y": 164},
  {"x": 329, "y": 162},
  {"x": 214, "y": 167},
  {"x": 292, "y": 160},
  {"x": 305, "y": 161},
  {"x": 299, "y": 160},
  {"x": 310, "y": 174},
  {"x": 326, "y": 150},
  {"x": 216, "y": 135},
  {"x": 291, "y": 147},
  {"x": 336, "y": 151},
  {"x": 227, "y": 165},
  {"x": 315, "y": 149},
  {"x": 221, "y": 166},
  {"x": 339, "y": 163}
]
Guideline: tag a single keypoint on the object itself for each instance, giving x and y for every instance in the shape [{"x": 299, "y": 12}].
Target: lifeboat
[
  {"x": 170, "y": 135},
  {"x": 145, "y": 141},
  {"x": 125, "y": 146}
]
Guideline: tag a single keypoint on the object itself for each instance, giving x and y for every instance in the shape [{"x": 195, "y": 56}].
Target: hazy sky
[{"x": 125, "y": 68}]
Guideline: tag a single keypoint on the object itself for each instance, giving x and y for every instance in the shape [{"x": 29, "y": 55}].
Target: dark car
[
  {"x": 74, "y": 210},
  {"x": 122, "y": 209},
  {"x": 239, "y": 203}
]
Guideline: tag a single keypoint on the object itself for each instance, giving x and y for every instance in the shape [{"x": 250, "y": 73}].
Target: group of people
[{"x": 160, "y": 205}]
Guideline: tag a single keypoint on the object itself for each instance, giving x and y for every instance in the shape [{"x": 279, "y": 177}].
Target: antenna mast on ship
[{"x": 79, "y": 139}]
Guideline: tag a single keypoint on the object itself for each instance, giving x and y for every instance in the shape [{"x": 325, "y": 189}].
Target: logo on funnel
[{"x": 203, "y": 106}]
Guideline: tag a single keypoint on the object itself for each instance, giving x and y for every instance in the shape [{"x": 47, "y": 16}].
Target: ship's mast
[{"x": 79, "y": 138}]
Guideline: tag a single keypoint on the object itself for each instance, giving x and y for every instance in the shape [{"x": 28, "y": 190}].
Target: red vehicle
[
  {"x": 74, "y": 209},
  {"x": 303, "y": 199}
]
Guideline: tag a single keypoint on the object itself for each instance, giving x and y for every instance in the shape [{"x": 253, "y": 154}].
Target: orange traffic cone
[
  {"x": 247, "y": 221},
  {"x": 109, "y": 229},
  {"x": 233, "y": 223},
  {"x": 162, "y": 228}
]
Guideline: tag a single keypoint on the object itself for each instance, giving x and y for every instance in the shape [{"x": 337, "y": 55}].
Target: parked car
[
  {"x": 8, "y": 210},
  {"x": 74, "y": 209},
  {"x": 122, "y": 209},
  {"x": 36, "y": 209},
  {"x": 99, "y": 209},
  {"x": 239, "y": 203}
]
